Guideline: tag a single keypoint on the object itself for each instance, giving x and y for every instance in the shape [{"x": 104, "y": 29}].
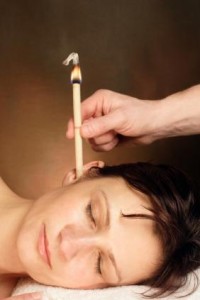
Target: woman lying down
[{"x": 117, "y": 225}]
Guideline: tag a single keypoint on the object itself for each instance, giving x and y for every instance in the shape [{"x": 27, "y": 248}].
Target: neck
[{"x": 13, "y": 209}]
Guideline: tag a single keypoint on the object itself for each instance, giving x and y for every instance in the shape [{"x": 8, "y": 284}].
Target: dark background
[{"x": 147, "y": 49}]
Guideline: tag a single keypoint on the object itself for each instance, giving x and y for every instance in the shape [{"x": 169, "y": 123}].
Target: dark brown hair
[{"x": 176, "y": 211}]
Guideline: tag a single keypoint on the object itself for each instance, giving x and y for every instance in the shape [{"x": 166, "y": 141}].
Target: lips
[{"x": 43, "y": 246}]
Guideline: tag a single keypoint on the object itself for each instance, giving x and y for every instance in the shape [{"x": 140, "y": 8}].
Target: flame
[{"x": 76, "y": 74}]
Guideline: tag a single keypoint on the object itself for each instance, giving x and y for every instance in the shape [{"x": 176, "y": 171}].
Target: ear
[{"x": 70, "y": 177}]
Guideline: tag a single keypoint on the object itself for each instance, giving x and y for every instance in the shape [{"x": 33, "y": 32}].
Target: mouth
[{"x": 43, "y": 246}]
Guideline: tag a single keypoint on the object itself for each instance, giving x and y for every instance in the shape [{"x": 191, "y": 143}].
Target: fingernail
[{"x": 37, "y": 296}]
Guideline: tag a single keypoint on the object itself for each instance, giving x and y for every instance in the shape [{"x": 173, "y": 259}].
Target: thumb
[{"x": 100, "y": 125}]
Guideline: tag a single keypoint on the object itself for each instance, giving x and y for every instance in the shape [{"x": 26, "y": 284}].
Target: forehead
[{"x": 117, "y": 192}]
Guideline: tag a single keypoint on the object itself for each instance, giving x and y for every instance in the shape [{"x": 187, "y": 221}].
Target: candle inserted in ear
[{"x": 76, "y": 82}]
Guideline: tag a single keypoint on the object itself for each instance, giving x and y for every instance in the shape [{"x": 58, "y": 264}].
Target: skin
[
  {"x": 110, "y": 118},
  {"x": 76, "y": 238}
]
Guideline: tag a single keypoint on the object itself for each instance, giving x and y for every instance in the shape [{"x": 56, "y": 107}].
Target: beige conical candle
[{"x": 76, "y": 83}]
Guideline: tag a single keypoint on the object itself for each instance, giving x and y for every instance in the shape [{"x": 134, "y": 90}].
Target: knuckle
[
  {"x": 109, "y": 146},
  {"x": 103, "y": 140},
  {"x": 110, "y": 135},
  {"x": 102, "y": 93},
  {"x": 105, "y": 147},
  {"x": 145, "y": 140},
  {"x": 91, "y": 128},
  {"x": 91, "y": 141},
  {"x": 97, "y": 148},
  {"x": 96, "y": 142}
]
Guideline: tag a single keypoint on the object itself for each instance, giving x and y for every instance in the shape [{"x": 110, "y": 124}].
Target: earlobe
[{"x": 70, "y": 177}]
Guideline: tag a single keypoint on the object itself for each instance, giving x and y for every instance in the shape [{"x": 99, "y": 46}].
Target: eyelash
[
  {"x": 97, "y": 264},
  {"x": 89, "y": 214}
]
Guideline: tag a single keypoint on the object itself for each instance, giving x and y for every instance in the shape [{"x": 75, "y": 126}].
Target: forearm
[
  {"x": 179, "y": 114},
  {"x": 138, "y": 121}
]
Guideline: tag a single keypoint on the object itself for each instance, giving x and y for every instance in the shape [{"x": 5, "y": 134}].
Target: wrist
[{"x": 179, "y": 114}]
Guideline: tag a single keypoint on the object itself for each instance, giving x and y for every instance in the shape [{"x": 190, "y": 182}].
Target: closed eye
[
  {"x": 98, "y": 264},
  {"x": 88, "y": 210},
  {"x": 89, "y": 213}
]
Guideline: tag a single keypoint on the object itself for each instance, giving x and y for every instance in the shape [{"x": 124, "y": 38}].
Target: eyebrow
[{"x": 110, "y": 254}]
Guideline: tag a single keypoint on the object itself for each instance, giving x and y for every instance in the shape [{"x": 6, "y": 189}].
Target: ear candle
[{"x": 76, "y": 83}]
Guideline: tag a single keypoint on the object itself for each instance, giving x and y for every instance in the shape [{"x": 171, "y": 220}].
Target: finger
[
  {"x": 102, "y": 125},
  {"x": 27, "y": 296},
  {"x": 70, "y": 129},
  {"x": 106, "y": 147},
  {"x": 93, "y": 105},
  {"x": 89, "y": 108},
  {"x": 103, "y": 139}
]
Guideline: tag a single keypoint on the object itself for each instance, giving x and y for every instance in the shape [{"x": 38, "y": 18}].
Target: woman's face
[{"x": 90, "y": 244}]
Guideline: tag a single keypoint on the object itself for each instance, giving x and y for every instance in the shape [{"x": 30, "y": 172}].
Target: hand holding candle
[{"x": 76, "y": 82}]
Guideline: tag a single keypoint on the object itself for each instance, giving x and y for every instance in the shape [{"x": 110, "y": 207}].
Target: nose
[{"x": 73, "y": 240}]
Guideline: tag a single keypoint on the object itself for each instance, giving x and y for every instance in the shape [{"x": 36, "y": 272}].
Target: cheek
[
  {"x": 75, "y": 275},
  {"x": 56, "y": 209},
  {"x": 78, "y": 274},
  {"x": 56, "y": 213}
]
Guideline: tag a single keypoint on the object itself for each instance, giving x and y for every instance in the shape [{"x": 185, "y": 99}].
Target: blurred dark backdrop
[{"x": 147, "y": 49}]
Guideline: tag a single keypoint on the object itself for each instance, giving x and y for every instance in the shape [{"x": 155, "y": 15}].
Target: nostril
[
  {"x": 68, "y": 248},
  {"x": 71, "y": 242},
  {"x": 67, "y": 245}
]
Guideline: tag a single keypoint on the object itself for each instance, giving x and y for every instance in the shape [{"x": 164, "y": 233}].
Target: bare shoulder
[{"x": 7, "y": 285}]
